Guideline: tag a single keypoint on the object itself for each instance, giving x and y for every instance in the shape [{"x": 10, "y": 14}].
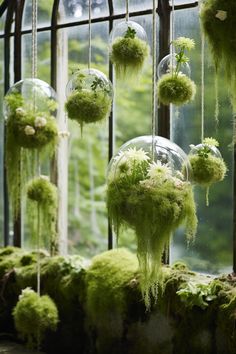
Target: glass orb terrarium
[
  {"x": 151, "y": 195},
  {"x": 207, "y": 164},
  {"x": 168, "y": 65},
  {"x": 89, "y": 96},
  {"x": 30, "y": 108},
  {"x": 128, "y": 49}
]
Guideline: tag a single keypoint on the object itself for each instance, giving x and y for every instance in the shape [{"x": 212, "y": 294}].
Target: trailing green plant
[
  {"x": 128, "y": 54},
  {"x": 33, "y": 316},
  {"x": 89, "y": 104},
  {"x": 218, "y": 24},
  {"x": 42, "y": 209},
  {"x": 208, "y": 167},
  {"x": 30, "y": 130},
  {"x": 148, "y": 198},
  {"x": 175, "y": 87}
]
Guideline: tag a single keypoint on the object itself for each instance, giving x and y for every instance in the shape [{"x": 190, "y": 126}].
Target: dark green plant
[
  {"x": 218, "y": 24},
  {"x": 33, "y": 316},
  {"x": 89, "y": 105},
  {"x": 175, "y": 87},
  {"x": 42, "y": 209},
  {"x": 128, "y": 54},
  {"x": 29, "y": 131},
  {"x": 207, "y": 168},
  {"x": 149, "y": 199}
]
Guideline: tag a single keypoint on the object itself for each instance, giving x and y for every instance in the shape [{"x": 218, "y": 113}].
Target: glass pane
[
  {"x": 212, "y": 249},
  {"x": 134, "y": 5},
  {"x": 44, "y": 13},
  {"x": 1, "y": 137},
  {"x": 77, "y": 10},
  {"x": 133, "y": 111},
  {"x": 43, "y": 56},
  {"x": 88, "y": 154},
  {"x": 181, "y": 2},
  {"x": 2, "y": 22}
]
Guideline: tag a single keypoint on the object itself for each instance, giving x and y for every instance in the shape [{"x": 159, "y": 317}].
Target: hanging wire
[
  {"x": 172, "y": 62},
  {"x": 34, "y": 37},
  {"x": 90, "y": 36},
  {"x": 154, "y": 71},
  {"x": 202, "y": 85},
  {"x": 127, "y": 10}
]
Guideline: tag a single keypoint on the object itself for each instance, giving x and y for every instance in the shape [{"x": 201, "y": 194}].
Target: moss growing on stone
[
  {"x": 42, "y": 193},
  {"x": 128, "y": 56},
  {"x": 88, "y": 106},
  {"x": 177, "y": 90},
  {"x": 34, "y": 315}
]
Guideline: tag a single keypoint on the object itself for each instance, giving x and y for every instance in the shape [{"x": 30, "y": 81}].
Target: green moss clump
[
  {"x": 34, "y": 315},
  {"x": 148, "y": 199},
  {"x": 178, "y": 90},
  {"x": 128, "y": 56},
  {"x": 206, "y": 171},
  {"x": 42, "y": 193},
  {"x": 218, "y": 23},
  {"x": 88, "y": 106}
]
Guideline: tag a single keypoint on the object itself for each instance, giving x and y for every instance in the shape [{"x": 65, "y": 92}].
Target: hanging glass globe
[
  {"x": 30, "y": 108},
  {"x": 89, "y": 96},
  {"x": 168, "y": 64},
  {"x": 151, "y": 195},
  {"x": 128, "y": 48},
  {"x": 207, "y": 164}
]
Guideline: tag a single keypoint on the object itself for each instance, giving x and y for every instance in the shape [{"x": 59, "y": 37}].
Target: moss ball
[
  {"x": 206, "y": 171},
  {"x": 27, "y": 135},
  {"x": 87, "y": 106},
  {"x": 34, "y": 315},
  {"x": 178, "y": 90},
  {"x": 41, "y": 190},
  {"x": 128, "y": 55}
]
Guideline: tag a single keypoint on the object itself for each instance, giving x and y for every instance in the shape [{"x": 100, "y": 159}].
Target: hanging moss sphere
[
  {"x": 177, "y": 90},
  {"x": 128, "y": 55},
  {"x": 34, "y": 315},
  {"x": 206, "y": 171},
  {"x": 41, "y": 190},
  {"x": 87, "y": 106}
]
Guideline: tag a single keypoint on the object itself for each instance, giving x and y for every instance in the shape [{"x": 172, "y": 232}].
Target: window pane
[
  {"x": 212, "y": 250},
  {"x": 44, "y": 13},
  {"x": 134, "y": 5},
  {"x": 1, "y": 137},
  {"x": 88, "y": 154},
  {"x": 2, "y": 22},
  {"x": 76, "y": 10}
]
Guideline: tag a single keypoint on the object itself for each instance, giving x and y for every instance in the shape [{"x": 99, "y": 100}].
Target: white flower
[
  {"x": 136, "y": 155},
  {"x": 46, "y": 178},
  {"x": 178, "y": 183},
  {"x": 221, "y": 15},
  {"x": 64, "y": 134},
  {"x": 25, "y": 291},
  {"x": 40, "y": 122},
  {"x": 20, "y": 111},
  {"x": 29, "y": 130},
  {"x": 158, "y": 170}
]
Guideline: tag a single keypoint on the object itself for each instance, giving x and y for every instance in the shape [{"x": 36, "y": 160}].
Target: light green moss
[
  {"x": 33, "y": 316},
  {"x": 177, "y": 90},
  {"x": 88, "y": 106},
  {"x": 128, "y": 56}
]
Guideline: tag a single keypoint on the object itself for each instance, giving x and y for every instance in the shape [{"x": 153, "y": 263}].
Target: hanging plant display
[
  {"x": 174, "y": 86},
  {"x": 152, "y": 198},
  {"x": 41, "y": 191},
  {"x": 207, "y": 164},
  {"x": 128, "y": 49},
  {"x": 89, "y": 96},
  {"x": 218, "y": 24},
  {"x": 33, "y": 316},
  {"x": 29, "y": 108}
]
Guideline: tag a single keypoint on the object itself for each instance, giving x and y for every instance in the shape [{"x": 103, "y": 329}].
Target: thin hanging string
[
  {"x": 202, "y": 85},
  {"x": 172, "y": 61},
  {"x": 34, "y": 37},
  {"x": 127, "y": 10},
  {"x": 154, "y": 71},
  {"x": 90, "y": 35}
]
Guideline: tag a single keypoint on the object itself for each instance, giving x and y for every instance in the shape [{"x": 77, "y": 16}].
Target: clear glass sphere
[
  {"x": 166, "y": 153},
  {"x": 30, "y": 95},
  {"x": 89, "y": 79},
  {"x": 168, "y": 64},
  {"x": 121, "y": 29},
  {"x": 209, "y": 149}
]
